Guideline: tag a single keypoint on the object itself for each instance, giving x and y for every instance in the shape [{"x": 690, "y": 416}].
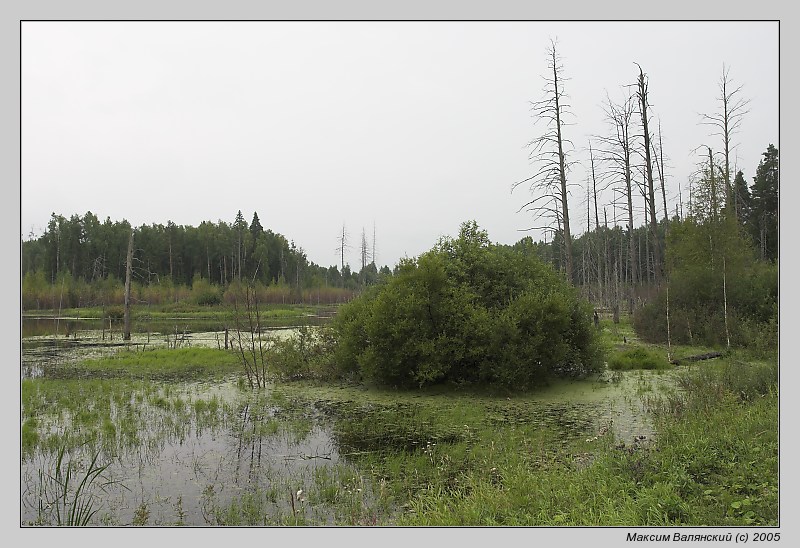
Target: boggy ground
[{"x": 180, "y": 440}]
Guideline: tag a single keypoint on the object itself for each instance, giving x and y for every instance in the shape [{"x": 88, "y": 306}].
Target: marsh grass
[
  {"x": 162, "y": 364},
  {"x": 715, "y": 463},
  {"x": 65, "y": 494},
  {"x": 638, "y": 357}
]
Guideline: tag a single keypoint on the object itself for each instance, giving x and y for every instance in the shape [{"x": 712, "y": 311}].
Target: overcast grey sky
[{"x": 413, "y": 126}]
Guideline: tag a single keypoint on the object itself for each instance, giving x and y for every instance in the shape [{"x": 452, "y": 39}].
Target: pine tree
[
  {"x": 764, "y": 205},
  {"x": 741, "y": 196},
  {"x": 255, "y": 226}
]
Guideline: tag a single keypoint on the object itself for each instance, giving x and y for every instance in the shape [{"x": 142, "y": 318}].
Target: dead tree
[
  {"x": 364, "y": 249},
  {"x": 600, "y": 249},
  {"x": 616, "y": 151},
  {"x": 644, "y": 105},
  {"x": 374, "y": 245},
  {"x": 343, "y": 245},
  {"x": 726, "y": 123},
  {"x": 548, "y": 154},
  {"x": 126, "y": 335},
  {"x": 659, "y": 156}
]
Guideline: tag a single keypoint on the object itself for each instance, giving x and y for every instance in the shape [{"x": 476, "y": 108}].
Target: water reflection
[{"x": 207, "y": 460}]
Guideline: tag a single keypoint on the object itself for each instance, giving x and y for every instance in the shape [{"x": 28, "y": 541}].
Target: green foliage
[
  {"x": 204, "y": 293},
  {"x": 638, "y": 358},
  {"x": 468, "y": 311},
  {"x": 714, "y": 466},
  {"x": 763, "y": 216},
  {"x": 76, "y": 255},
  {"x": 709, "y": 262},
  {"x": 307, "y": 355}
]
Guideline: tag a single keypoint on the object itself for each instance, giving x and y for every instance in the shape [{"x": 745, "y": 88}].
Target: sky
[{"x": 403, "y": 130}]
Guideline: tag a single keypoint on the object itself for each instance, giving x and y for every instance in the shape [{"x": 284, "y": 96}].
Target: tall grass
[{"x": 65, "y": 495}]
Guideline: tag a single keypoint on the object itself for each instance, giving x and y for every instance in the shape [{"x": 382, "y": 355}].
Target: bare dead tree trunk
[
  {"x": 364, "y": 249},
  {"x": 549, "y": 183},
  {"x": 643, "y": 108},
  {"x": 616, "y": 152},
  {"x": 374, "y": 245},
  {"x": 126, "y": 336},
  {"x": 727, "y": 124},
  {"x": 714, "y": 203},
  {"x": 669, "y": 340},
  {"x": 562, "y": 171},
  {"x": 725, "y": 301},
  {"x": 661, "y": 174},
  {"x": 343, "y": 245},
  {"x": 596, "y": 225}
]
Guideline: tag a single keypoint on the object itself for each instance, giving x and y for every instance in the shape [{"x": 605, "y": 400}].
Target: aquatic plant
[{"x": 61, "y": 498}]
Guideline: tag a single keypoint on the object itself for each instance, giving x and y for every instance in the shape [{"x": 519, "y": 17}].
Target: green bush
[
  {"x": 116, "y": 313},
  {"x": 204, "y": 293},
  {"x": 306, "y": 355},
  {"x": 208, "y": 298},
  {"x": 638, "y": 358},
  {"x": 468, "y": 311}
]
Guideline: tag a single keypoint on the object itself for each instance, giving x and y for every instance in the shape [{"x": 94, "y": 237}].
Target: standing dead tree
[
  {"x": 597, "y": 241},
  {"x": 343, "y": 245},
  {"x": 616, "y": 152},
  {"x": 726, "y": 123},
  {"x": 547, "y": 152},
  {"x": 374, "y": 244},
  {"x": 126, "y": 335},
  {"x": 644, "y": 106},
  {"x": 659, "y": 156},
  {"x": 365, "y": 255}
]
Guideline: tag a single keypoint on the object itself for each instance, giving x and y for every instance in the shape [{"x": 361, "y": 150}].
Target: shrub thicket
[
  {"x": 711, "y": 265},
  {"x": 468, "y": 311}
]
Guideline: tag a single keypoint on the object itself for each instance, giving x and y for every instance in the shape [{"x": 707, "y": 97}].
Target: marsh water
[{"x": 185, "y": 452}]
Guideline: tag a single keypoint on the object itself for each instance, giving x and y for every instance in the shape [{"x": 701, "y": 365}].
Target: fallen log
[{"x": 697, "y": 358}]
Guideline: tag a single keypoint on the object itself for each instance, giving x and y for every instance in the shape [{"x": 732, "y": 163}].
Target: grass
[
  {"x": 65, "y": 495},
  {"x": 638, "y": 358},
  {"x": 115, "y": 415},
  {"x": 182, "y": 310},
  {"x": 162, "y": 363},
  {"x": 715, "y": 462}
]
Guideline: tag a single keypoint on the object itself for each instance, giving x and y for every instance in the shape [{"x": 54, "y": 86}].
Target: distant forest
[{"x": 75, "y": 256}]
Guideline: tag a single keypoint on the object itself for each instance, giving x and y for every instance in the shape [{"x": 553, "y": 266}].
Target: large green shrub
[{"x": 468, "y": 311}]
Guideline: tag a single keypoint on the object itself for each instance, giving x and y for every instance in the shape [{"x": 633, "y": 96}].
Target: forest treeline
[{"x": 81, "y": 261}]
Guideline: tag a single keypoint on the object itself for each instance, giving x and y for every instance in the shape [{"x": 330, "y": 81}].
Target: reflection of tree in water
[{"x": 268, "y": 437}]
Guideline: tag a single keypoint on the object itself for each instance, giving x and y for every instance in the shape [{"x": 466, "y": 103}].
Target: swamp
[{"x": 164, "y": 430}]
